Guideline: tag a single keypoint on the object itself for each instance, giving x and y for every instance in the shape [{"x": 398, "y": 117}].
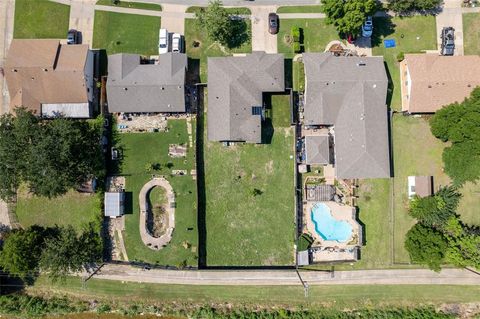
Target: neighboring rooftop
[
  {"x": 235, "y": 99},
  {"x": 317, "y": 150},
  {"x": 349, "y": 93},
  {"x": 48, "y": 77},
  {"x": 157, "y": 88},
  {"x": 432, "y": 81}
]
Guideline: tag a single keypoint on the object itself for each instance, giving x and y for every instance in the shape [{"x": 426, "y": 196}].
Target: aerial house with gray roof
[
  {"x": 235, "y": 94},
  {"x": 135, "y": 85},
  {"x": 347, "y": 95}
]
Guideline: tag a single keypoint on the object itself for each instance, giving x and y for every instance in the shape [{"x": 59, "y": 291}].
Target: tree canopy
[
  {"x": 434, "y": 211},
  {"x": 459, "y": 124},
  {"x": 51, "y": 156},
  {"x": 349, "y": 15},
  {"x": 405, "y": 6},
  {"x": 426, "y": 246},
  {"x": 215, "y": 20},
  {"x": 56, "y": 250}
]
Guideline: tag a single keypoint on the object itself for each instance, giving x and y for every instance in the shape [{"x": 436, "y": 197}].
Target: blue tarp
[{"x": 389, "y": 43}]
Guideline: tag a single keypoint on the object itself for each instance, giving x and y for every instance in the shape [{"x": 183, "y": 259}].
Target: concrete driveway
[
  {"x": 262, "y": 40},
  {"x": 451, "y": 16},
  {"x": 173, "y": 18},
  {"x": 82, "y": 14}
]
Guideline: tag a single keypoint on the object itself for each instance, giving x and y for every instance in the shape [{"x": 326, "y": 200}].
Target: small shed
[
  {"x": 421, "y": 186},
  {"x": 114, "y": 204},
  {"x": 303, "y": 258}
]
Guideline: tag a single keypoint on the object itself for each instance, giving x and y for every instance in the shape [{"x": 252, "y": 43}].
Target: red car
[
  {"x": 273, "y": 23},
  {"x": 351, "y": 38}
]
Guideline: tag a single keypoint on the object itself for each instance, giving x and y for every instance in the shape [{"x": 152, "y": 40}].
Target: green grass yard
[
  {"x": 471, "y": 33},
  {"x": 133, "y": 5},
  {"x": 416, "y": 152},
  {"x": 126, "y": 33},
  {"x": 300, "y": 9},
  {"x": 412, "y": 34},
  {"x": 316, "y": 34},
  {"x": 206, "y": 48},
  {"x": 243, "y": 229},
  {"x": 40, "y": 19},
  {"x": 73, "y": 208},
  {"x": 468, "y": 208},
  {"x": 321, "y": 296},
  {"x": 139, "y": 150}
]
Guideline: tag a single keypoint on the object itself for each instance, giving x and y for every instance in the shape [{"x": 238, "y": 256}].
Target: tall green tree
[
  {"x": 51, "y": 156},
  {"x": 435, "y": 211},
  {"x": 348, "y": 15},
  {"x": 71, "y": 252},
  {"x": 426, "y": 246},
  {"x": 215, "y": 20},
  {"x": 21, "y": 251},
  {"x": 459, "y": 124}
]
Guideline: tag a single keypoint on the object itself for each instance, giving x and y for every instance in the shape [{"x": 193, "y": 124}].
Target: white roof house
[{"x": 114, "y": 204}]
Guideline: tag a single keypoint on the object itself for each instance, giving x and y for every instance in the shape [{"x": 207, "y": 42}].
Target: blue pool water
[{"x": 328, "y": 227}]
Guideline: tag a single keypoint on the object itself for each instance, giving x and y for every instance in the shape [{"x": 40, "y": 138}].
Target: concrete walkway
[
  {"x": 7, "y": 14},
  {"x": 151, "y": 242},
  {"x": 289, "y": 277},
  {"x": 451, "y": 16},
  {"x": 82, "y": 15},
  {"x": 262, "y": 40}
]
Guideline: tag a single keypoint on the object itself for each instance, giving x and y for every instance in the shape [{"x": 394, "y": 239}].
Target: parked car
[
  {"x": 351, "y": 38},
  {"x": 177, "y": 44},
  {"x": 448, "y": 41},
  {"x": 273, "y": 23},
  {"x": 72, "y": 37},
  {"x": 367, "y": 28},
  {"x": 163, "y": 41},
  {"x": 115, "y": 154}
]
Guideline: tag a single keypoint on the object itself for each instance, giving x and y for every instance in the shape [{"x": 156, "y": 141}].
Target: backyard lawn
[
  {"x": 199, "y": 47},
  {"x": 416, "y": 152},
  {"x": 74, "y": 208},
  {"x": 471, "y": 33},
  {"x": 126, "y": 33},
  {"x": 411, "y": 34},
  {"x": 140, "y": 150},
  {"x": 316, "y": 35},
  {"x": 40, "y": 19},
  {"x": 133, "y": 5},
  {"x": 250, "y": 198}
]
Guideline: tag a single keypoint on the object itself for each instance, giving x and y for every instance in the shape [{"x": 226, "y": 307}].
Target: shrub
[
  {"x": 400, "y": 56},
  {"x": 296, "y": 47},
  {"x": 304, "y": 242},
  {"x": 295, "y": 33}
]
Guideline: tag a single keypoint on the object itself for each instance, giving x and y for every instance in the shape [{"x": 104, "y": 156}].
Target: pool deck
[{"x": 331, "y": 250}]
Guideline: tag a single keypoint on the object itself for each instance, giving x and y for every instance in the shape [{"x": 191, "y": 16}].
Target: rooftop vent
[
  {"x": 125, "y": 89},
  {"x": 361, "y": 63}
]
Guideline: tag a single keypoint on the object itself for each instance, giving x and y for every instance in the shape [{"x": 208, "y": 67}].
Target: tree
[
  {"x": 405, "y": 6},
  {"x": 426, "y": 246},
  {"x": 435, "y": 211},
  {"x": 22, "y": 250},
  {"x": 464, "y": 251},
  {"x": 216, "y": 22},
  {"x": 348, "y": 16},
  {"x": 70, "y": 252},
  {"x": 459, "y": 124},
  {"x": 50, "y": 156}
]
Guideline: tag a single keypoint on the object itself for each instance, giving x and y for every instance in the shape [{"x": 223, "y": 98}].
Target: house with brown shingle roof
[
  {"x": 51, "y": 79},
  {"x": 431, "y": 81}
]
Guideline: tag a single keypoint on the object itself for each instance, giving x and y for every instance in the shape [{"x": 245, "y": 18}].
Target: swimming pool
[{"x": 328, "y": 227}]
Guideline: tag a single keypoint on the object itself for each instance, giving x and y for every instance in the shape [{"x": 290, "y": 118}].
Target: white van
[{"x": 163, "y": 41}]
